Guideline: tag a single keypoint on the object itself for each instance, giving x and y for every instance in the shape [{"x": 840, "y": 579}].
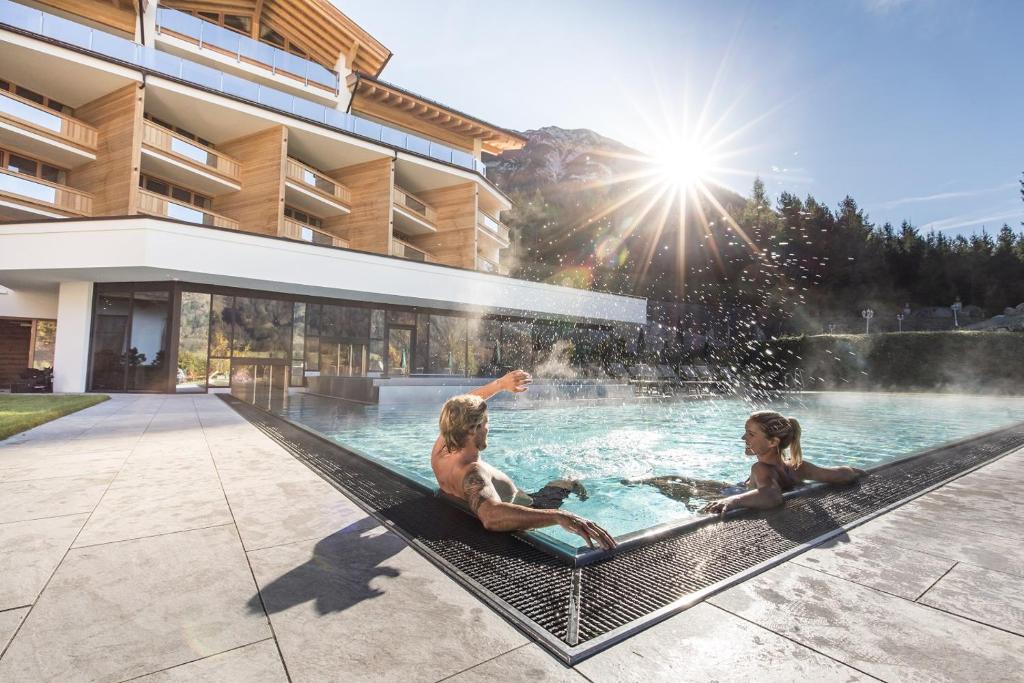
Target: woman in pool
[{"x": 767, "y": 436}]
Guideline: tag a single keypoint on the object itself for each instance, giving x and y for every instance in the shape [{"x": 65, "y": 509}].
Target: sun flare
[{"x": 683, "y": 165}]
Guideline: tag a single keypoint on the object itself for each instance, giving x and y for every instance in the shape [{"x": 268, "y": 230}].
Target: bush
[{"x": 973, "y": 362}]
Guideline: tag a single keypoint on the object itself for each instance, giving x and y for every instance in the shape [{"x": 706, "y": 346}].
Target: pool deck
[{"x": 165, "y": 538}]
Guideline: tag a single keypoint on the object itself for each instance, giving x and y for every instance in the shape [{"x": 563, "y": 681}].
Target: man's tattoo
[{"x": 473, "y": 486}]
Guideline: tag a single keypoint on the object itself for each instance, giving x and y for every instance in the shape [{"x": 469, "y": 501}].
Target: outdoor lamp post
[
  {"x": 956, "y": 309},
  {"x": 899, "y": 320},
  {"x": 867, "y": 314}
]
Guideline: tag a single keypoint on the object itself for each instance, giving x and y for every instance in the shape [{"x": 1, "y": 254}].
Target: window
[
  {"x": 33, "y": 96},
  {"x": 179, "y": 130},
  {"x": 303, "y": 217},
  {"x": 239, "y": 23},
  {"x": 31, "y": 167},
  {"x": 175, "y": 192},
  {"x": 272, "y": 37}
]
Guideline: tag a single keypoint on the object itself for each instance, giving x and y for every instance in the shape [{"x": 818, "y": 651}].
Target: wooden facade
[
  {"x": 368, "y": 226},
  {"x": 454, "y": 243},
  {"x": 259, "y": 205},
  {"x": 113, "y": 179}
]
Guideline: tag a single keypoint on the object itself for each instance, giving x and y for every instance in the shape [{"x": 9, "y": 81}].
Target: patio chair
[{"x": 33, "y": 381}]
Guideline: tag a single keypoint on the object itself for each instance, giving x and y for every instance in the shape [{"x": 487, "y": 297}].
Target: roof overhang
[
  {"x": 39, "y": 255},
  {"x": 495, "y": 140}
]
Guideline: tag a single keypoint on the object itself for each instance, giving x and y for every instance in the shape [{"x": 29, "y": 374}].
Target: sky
[{"x": 915, "y": 108}]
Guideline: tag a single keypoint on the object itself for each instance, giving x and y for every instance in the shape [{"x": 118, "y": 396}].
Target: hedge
[{"x": 972, "y": 362}]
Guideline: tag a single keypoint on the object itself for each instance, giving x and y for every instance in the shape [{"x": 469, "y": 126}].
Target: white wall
[
  {"x": 71, "y": 353},
  {"x": 28, "y": 304},
  {"x": 147, "y": 249}
]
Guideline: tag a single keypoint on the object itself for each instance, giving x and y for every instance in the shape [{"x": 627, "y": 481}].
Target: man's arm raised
[
  {"x": 516, "y": 381},
  {"x": 496, "y": 515}
]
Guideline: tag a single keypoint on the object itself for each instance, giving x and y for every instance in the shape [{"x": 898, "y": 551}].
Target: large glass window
[
  {"x": 263, "y": 328},
  {"x": 447, "y": 355},
  {"x": 297, "y": 378},
  {"x": 44, "y": 336},
  {"x": 516, "y": 345},
  {"x": 147, "y": 353},
  {"x": 484, "y": 348},
  {"x": 344, "y": 340},
  {"x": 110, "y": 332},
  {"x": 193, "y": 341}
]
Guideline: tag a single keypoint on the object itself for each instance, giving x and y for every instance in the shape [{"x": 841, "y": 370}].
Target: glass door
[{"x": 400, "y": 348}]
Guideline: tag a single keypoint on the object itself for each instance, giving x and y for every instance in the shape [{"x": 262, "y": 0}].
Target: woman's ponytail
[{"x": 796, "y": 454}]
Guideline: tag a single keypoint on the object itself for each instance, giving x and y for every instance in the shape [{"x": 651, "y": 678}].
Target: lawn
[{"x": 19, "y": 412}]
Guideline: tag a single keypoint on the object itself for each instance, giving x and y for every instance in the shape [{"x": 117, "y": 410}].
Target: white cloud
[
  {"x": 945, "y": 195},
  {"x": 992, "y": 220}
]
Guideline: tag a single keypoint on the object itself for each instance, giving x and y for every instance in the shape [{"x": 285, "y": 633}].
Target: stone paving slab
[
  {"x": 705, "y": 643},
  {"x": 877, "y": 564},
  {"x": 987, "y": 596},
  {"x": 33, "y": 466},
  {"x": 40, "y": 498},
  {"x": 144, "y": 510},
  {"x": 30, "y": 552},
  {"x": 256, "y": 663},
  {"x": 882, "y": 635},
  {"x": 125, "y": 609},
  {"x": 361, "y": 605},
  {"x": 526, "y": 663},
  {"x": 10, "y": 620}
]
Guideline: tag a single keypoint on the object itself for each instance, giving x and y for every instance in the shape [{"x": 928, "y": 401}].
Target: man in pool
[{"x": 489, "y": 492}]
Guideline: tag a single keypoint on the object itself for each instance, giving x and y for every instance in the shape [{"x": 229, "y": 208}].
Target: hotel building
[{"x": 205, "y": 194}]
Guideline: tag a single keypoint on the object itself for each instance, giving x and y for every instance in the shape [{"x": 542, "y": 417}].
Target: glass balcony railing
[
  {"x": 409, "y": 201},
  {"x": 300, "y": 172},
  {"x": 300, "y": 231},
  {"x": 111, "y": 47},
  {"x": 42, "y": 192},
  {"x": 405, "y": 250},
  {"x": 208, "y": 35},
  {"x": 67, "y": 128},
  {"x": 166, "y": 140},
  {"x": 494, "y": 227}
]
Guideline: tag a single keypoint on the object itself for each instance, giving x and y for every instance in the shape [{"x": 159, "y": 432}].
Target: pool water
[{"x": 607, "y": 446}]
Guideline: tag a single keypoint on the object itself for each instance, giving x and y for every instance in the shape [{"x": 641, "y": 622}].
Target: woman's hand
[
  {"x": 516, "y": 381},
  {"x": 720, "y": 507}
]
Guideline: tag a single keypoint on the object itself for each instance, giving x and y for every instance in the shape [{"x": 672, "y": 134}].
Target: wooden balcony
[
  {"x": 44, "y": 133},
  {"x": 173, "y": 156},
  {"x": 486, "y": 265},
  {"x": 25, "y": 197},
  {"x": 412, "y": 215},
  {"x": 312, "y": 191},
  {"x": 154, "y": 204},
  {"x": 492, "y": 228},
  {"x": 403, "y": 249},
  {"x": 300, "y": 231}
]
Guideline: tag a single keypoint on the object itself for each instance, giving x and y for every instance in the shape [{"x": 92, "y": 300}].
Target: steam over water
[{"x": 603, "y": 445}]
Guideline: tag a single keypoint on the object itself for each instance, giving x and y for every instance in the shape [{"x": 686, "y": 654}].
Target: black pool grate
[{"x": 575, "y": 611}]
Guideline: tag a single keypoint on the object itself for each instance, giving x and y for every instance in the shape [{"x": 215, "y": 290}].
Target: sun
[{"x": 684, "y": 164}]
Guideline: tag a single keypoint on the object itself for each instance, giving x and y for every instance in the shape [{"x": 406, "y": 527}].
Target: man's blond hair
[{"x": 459, "y": 417}]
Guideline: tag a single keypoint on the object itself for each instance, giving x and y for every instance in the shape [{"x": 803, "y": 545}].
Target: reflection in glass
[
  {"x": 447, "y": 345},
  {"x": 419, "y": 365},
  {"x": 399, "y": 352},
  {"x": 297, "y": 378},
  {"x": 484, "y": 348},
  {"x": 193, "y": 342},
  {"x": 110, "y": 331},
  {"x": 146, "y": 358},
  {"x": 516, "y": 345},
  {"x": 222, "y": 316},
  {"x": 263, "y": 328},
  {"x": 219, "y": 376},
  {"x": 43, "y": 342}
]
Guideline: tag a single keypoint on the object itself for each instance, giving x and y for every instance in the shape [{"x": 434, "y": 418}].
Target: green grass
[{"x": 19, "y": 412}]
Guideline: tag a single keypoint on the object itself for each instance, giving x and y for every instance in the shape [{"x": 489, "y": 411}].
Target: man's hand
[
  {"x": 516, "y": 381},
  {"x": 586, "y": 529},
  {"x": 719, "y": 507}
]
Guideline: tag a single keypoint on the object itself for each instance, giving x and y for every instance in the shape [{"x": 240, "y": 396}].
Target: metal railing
[
  {"x": 167, "y": 140},
  {"x": 43, "y": 192},
  {"x": 158, "y": 205},
  {"x": 302, "y": 173},
  {"x": 52, "y": 123},
  {"x": 244, "y": 49},
  {"x": 109, "y": 46}
]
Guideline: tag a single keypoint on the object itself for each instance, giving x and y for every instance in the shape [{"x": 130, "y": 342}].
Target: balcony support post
[{"x": 71, "y": 347}]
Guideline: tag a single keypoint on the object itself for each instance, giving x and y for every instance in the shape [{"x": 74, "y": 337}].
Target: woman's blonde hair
[
  {"x": 459, "y": 417},
  {"x": 786, "y": 429}
]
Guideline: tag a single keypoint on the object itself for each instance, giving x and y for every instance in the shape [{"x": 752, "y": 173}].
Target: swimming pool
[{"x": 607, "y": 446}]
